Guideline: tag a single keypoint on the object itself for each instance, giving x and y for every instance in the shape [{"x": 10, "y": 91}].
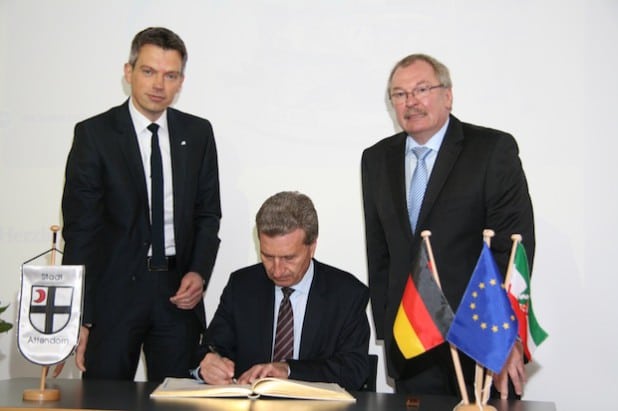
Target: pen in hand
[{"x": 213, "y": 349}]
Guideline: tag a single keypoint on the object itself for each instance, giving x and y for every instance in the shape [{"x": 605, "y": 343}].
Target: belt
[{"x": 168, "y": 265}]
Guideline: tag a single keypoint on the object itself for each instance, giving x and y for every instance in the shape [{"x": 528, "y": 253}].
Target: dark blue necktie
[{"x": 156, "y": 200}]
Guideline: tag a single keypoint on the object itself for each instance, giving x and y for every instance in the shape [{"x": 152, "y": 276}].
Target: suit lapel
[
  {"x": 447, "y": 156},
  {"x": 314, "y": 313},
  {"x": 395, "y": 158},
  {"x": 126, "y": 139},
  {"x": 265, "y": 329},
  {"x": 178, "y": 146},
  {"x": 262, "y": 324}
]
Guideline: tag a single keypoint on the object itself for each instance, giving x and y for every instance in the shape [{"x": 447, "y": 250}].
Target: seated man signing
[{"x": 290, "y": 316}]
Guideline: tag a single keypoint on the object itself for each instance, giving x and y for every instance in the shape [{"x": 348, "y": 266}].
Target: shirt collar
[
  {"x": 433, "y": 143},
  {"x": 304, "y": 284},
  {"x": 141, "y": 122}
]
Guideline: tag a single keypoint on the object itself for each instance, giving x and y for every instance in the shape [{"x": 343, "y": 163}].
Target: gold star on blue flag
[{"x": 485, "y": 327}]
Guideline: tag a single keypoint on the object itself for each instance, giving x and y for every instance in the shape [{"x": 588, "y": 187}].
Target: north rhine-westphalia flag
[
  {"x": 424, "y": 315},
  {"x": 530, "y": 332},
  {"x": 485, "y": 327}
]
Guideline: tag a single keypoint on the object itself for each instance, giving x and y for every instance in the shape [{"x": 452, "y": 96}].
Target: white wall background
[{"x": 295, "y": 91}]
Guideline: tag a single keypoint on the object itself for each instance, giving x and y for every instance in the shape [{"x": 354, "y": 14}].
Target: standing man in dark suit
[
  {"x": 141, "y": 211},
  {"x": 474, "y": 180},
  {"x": 330, "y": 331}
]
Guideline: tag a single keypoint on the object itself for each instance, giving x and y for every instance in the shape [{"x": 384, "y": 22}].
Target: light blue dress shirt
[
  {"x": 433, "y": 144},
  {"x": 298, "y": 299}
]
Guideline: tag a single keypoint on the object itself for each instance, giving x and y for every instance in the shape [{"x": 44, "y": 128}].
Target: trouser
[
  {"x": 167, "y": 335},
  {"x": 433, "y": 373}
]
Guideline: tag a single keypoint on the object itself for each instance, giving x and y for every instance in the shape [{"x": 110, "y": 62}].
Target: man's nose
[
  {"x": 278, "y": 267},
  {"x": 410, "y": 99},
  {"x": 158, "y": 81}
]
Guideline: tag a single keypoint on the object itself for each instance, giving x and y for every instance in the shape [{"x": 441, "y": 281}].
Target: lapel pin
[{"x": 183, "y": 143}]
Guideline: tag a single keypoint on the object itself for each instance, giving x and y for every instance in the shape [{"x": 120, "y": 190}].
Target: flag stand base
[
  {"x": 48, "y": 394},
  {"x": 474, "y": 407}
]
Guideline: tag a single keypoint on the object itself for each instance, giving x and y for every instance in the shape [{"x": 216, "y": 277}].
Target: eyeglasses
[{"x": 400, "y": 96}]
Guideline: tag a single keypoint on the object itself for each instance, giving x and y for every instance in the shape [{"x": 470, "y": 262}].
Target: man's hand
[
  {"x": 190, "y": 291},
  {"x": 80, "y": 351},
  {"x": 272, "y": 369},
  {"x": 514, "y": 368},
  {"x": 217, "y": 370},
  {"x": 58, "y": 369}
]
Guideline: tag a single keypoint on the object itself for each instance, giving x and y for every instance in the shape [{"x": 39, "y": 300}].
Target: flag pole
[
  {"x": 482, "y": 400},
  {"x": 507, "y": 278},
  {"x": 44, "y": 394},
  {"x": 454, "y": 354},
  {"x": 52, "y": 261},
  {"x": 509, "y": 268}
]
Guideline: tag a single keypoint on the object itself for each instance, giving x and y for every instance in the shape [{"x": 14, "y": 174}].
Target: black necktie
[
  {"x": 284, "y": 337},
  {"x": 156, "y": 200}
]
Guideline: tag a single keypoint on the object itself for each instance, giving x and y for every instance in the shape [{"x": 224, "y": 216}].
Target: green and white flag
[{"x": 530, "y": 332}]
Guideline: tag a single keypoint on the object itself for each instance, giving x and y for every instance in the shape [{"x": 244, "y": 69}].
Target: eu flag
[{"x": 485, "y": 327}]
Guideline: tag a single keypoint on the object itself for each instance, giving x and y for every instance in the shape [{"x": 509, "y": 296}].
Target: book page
[
  {"x": 276, "y": 387},
  {"x": 272, "y": 387},
  {"x": 187, "y": 387}
]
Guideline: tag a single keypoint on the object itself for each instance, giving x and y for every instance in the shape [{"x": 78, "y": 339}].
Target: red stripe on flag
[
  {"x": 522, "y": 320},
  {"x": 421, "y": 321}
]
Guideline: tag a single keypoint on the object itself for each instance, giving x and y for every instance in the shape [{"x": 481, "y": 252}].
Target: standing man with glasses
[
  {"x": 454, "y": 179},
  {"x": 141, "y": 211}
]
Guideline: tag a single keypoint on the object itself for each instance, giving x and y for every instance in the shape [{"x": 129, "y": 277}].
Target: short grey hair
[
  {"x": 285, "y": 212},
  {"x": 441, "y": 71}
]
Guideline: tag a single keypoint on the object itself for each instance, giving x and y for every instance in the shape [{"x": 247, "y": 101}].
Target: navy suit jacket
[
  {"x": 106, "y": 208},
  {"x": 335, "y": 336},
  {"x": 477, "y": 182}
]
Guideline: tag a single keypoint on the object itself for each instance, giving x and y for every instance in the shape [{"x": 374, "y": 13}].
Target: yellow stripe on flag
[{"x": 408, "y": 342}]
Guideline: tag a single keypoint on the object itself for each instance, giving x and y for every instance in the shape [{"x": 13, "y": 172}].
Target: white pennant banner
[{"x": 50, "y": 306}]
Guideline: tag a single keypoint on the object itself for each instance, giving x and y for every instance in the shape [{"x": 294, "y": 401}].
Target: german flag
[{"x": 424, "y": 315}]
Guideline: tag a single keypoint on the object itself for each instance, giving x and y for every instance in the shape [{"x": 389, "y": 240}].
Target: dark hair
[
  {"x": 285, "y": 212},
  {"x": 161, "y": 37}
]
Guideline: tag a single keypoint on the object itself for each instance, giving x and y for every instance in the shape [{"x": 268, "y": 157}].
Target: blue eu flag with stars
[{"x": 485, "y": 327}]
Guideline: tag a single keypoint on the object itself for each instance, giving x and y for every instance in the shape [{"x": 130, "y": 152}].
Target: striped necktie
[{"x": 284, "y": 338}]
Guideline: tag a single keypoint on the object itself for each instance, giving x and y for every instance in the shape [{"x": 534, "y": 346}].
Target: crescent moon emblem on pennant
[{"x": 40, "y": 296}]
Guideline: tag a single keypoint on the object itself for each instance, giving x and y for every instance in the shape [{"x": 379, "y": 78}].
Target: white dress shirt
[{"x": 144, "y": 137}]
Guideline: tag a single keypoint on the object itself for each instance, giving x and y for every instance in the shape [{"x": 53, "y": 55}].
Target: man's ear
[{"x": 128, "y": 72}]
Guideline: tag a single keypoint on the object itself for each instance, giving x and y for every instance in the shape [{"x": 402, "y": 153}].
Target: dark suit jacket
[
  {"x": 335, "y": 335},
  {"x": 106, "y": 212},
  {"x": 477, "y": 182}
]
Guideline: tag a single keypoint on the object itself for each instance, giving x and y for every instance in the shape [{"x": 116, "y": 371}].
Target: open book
[{"x": 269, "y": 386}]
